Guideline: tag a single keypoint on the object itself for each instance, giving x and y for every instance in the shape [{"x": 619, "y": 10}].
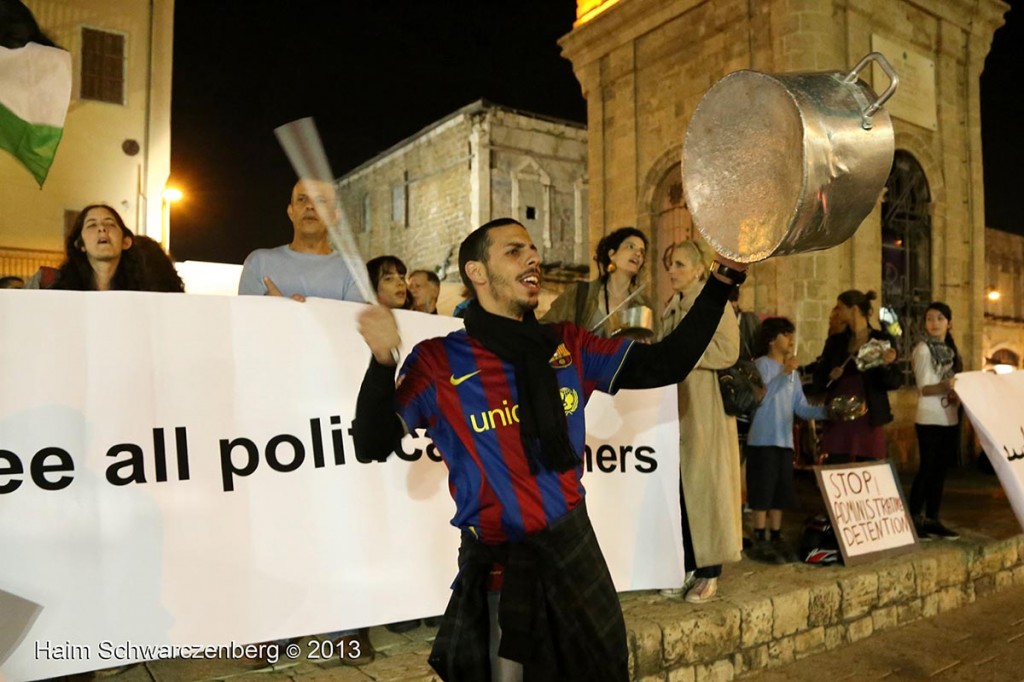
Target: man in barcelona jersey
[{"x": 503, "y": 402}]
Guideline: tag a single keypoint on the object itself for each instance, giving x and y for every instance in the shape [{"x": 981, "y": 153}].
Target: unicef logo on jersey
[{"x": 570, "y": 400}]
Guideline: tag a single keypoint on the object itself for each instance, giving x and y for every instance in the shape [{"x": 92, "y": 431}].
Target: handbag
[{"x": 741, "y": 387}]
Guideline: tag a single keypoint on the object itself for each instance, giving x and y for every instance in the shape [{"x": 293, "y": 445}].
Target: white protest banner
[
  {"x": 995, "y": 405},
  {"x": 865, "y": 503},
  {"x": 178, "y": 470}
]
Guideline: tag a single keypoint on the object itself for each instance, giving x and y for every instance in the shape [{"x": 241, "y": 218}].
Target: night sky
[{"x": 373, "y": 75}]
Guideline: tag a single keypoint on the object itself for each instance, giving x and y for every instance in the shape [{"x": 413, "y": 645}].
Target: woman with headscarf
[{"x": 936, "y": 363}]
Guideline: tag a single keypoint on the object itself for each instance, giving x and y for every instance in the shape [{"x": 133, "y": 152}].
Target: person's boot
[
  {"x": 677, "y": 592},
  {"x": 921, "y": 529},
  {"x": 936, "y": 530},
  {"x": 355, "y": 649},
  {"x": 763, "y": 550},
  {"x": 786, "y": 553},
  {"x": 403, "y": 626}
]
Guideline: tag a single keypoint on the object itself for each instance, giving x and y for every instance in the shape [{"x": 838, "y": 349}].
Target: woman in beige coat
[{"x": 709, "y": 458}]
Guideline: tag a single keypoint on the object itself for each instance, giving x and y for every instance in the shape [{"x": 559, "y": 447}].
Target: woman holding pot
[
  {"x": 858, "y": 397},
  {"x": 709, "y": 458},
  {"x": 620, "y": 257}
]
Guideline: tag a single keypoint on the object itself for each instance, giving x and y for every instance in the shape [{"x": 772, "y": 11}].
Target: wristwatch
[{"x": 738, "y": 277}]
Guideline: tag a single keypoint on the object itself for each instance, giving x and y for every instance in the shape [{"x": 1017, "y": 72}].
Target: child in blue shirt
[{"x": 770, "y": 441}]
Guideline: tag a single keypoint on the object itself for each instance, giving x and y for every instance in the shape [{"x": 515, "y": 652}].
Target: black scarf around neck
[{"x": 529, "y": 345}]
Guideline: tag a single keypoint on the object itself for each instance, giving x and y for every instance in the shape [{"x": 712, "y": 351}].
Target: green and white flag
[{"x": 35, "y": 91}]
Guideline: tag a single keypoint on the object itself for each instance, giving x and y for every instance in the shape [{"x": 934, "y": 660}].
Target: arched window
[
  {"x": 906, "y": 254},
  {"x": 671, "y": 223},
  {"x": 1004, "y": 356}
]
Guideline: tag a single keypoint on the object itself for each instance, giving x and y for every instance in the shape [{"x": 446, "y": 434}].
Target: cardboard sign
[{"x": 868, "y": 512}]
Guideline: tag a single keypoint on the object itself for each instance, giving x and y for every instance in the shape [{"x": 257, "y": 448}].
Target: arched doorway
[
  {"x": 670, "y": 223},
  {"x": 906, "y": 254}
]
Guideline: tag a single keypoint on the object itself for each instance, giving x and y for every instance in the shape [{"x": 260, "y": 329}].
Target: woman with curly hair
[
  {"x": 99, "y": 254},
  {"x": 620, "y": 257}
]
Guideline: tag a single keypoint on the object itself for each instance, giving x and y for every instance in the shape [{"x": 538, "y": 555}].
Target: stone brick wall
[
  {"x": 744, "y": 632},
  {"x": 546, "y": 160},
  {"x": 644, "y": 65},
  {"x": 430, "y": 174},
  {"x": 419, "y": 199},
  {"x": 1004, "y": 272}
]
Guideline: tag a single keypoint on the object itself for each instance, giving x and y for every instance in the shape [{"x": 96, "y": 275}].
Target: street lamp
[
  {"x": 169, "y": 196},
  {"x": 993, "y": 295}
]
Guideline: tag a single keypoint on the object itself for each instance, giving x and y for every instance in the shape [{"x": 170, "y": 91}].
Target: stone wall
[
  {"x": 745, "y": 632},
  {"x": 413, "y": 203},
  {"x": 540, "y": 164},
  {"x": 421, "y": 197},
  {"x": 1004, "y": 272},
  {"x": 644, "y": 65}
]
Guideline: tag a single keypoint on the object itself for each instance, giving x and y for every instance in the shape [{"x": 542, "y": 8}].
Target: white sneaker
[
  {"x": 677, "y": 592},
  {"x": 704, "y": 590}
]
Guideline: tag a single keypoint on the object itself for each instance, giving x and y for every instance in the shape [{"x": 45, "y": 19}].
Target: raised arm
[{"x": 377, "y": 428}]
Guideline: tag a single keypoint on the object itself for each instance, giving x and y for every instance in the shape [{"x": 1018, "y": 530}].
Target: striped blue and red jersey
[{"x": 466, "y": 398}]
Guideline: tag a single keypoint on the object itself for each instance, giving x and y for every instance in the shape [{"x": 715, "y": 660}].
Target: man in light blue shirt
[
  {"x": 770, "y": 440},
  {"x": 308, "y": 266}
]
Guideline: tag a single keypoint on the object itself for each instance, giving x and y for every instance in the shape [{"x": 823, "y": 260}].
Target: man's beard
[{"x": 516, "y": 307}]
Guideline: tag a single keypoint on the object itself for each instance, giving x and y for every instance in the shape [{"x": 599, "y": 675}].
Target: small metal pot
[
  {"x": 634, "y": 322},
  {"x": 786, "y": 163},
  {"x": 846, "y": 408}
]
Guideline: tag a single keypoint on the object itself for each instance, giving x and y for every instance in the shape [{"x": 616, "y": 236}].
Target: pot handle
[{"x": 894, "y": 82}]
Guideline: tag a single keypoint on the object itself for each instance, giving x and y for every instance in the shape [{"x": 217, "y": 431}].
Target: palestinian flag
[{"x": 35, "y": 90}]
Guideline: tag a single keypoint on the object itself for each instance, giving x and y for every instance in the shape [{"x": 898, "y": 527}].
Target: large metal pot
[{"x": 787, "y": 163}]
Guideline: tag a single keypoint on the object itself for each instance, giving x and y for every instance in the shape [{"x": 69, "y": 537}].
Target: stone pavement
[
  {"x": 767, "y": 616},
  {"x": 983, "y": 641}
]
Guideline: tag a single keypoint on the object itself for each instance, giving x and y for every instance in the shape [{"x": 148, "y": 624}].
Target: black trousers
[
  {"x": 689, "y": 560},
  {"x": 938, "y": 446}
]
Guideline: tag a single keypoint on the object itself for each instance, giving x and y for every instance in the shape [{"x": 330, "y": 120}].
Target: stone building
[
  {"x": 418, "y": 199},
  {"x": 645, "y": 64},
  {"x": 117, "y": 137},
  {"x": 1003, "y": 342}
]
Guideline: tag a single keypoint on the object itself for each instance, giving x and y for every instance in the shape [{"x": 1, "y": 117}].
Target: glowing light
[
  {"x": 993, "y": 295},
  {"x": 172, "y": 194},
  {"x": 588, "y": 9},
  {"x": 1004, "y": 369}
]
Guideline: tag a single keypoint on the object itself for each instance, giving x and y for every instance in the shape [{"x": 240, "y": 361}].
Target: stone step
[{"x": 768, "y": 616}]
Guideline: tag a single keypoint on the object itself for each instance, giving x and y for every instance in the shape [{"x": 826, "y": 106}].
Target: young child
[
  {"x": 770, "y": 441},
  {"x": 936, "y": 361}
]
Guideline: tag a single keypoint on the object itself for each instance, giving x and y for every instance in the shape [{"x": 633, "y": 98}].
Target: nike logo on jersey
[{"x": 456, "y": 382}]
